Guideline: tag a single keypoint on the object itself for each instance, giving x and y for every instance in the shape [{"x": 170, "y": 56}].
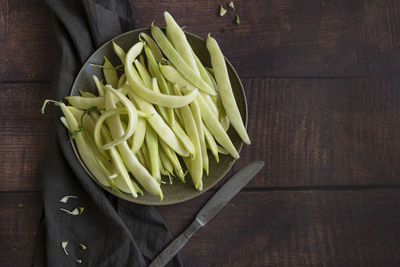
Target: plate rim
[{"x": 78, "y": 166}]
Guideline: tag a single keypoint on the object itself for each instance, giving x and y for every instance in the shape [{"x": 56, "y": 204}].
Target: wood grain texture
[
  {"x": 275, "y": 38},
  {"x": 312, "y": 228},
  {"x": 304, "y": 228},
  {"x": 27, "y": 44},
  {"x": 18, "y": 227},
  {"x": 24, "y": 135},
  {"x": 310, "y": 132}
]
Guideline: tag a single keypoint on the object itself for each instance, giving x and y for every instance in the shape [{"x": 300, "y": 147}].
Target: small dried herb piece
[
  {"x": 231, "y": 5},
  {"x": 79, "y": 261},
  {"x": 64, "y": 246},
  {"x": 237, "y": 20},
  {"x": 73, "y": 212},
  {"x": 222, "y": 11},
  {"x": 65, "y": 199},
  {"x": 20, "y": 205},
  {"x": 83, "y": 246}
]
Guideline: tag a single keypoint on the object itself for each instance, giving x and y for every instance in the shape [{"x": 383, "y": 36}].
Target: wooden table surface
[{"x": 323, "y": 88}]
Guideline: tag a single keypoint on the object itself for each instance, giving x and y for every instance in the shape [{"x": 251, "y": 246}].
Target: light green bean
[
  {"x": 174, "y": 160},
  {"x": 215, "y": 127},
  {"x": 138, "y": 137},
  {"x": 211, "y": 142},
  {"x": 133, "y": 117},
  {"x": 148, "y": 94},
  {"x": 81, "y": 102},
  {"x": 110, "y": 73},
  {"x": 225, "y": 89},
  {"x": 180, "y": 42},
  {"x": 166, "y": 162},
  {"x": 130, "y": 160},
  {"x": 194, "y": 107},
  {"x": 99, "y": 86},
  {"x": 144, "y": 74},
  {"x": 152, "y": 150},
  {"x": 83, "y": 148},
  {"x": 161, "y": 128},
  {"x": 172, "y": 75},
  {"x": 196, "y": 163},
  {"x": 178, "y": 61},
  {"x": 152, "y": 46},
  {"x": 162, "y": 85},
  {"x": 119, "y": 51}
]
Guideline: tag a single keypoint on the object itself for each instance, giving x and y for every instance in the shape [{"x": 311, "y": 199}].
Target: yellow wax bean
[
  {"x": 196, "y": 163},
  {"x": 133, "y": 117},
  {"x": 162, "y": 129},
  {"x": 162, "y": 110},
  {"x": 203, "y": 72},
  {"x": 162, "y": 84},
  {"x": 121, "y": 80},
  {"x": 211, "y": 142},
  {"x": 120, "y": 52},
  {"x": 225, "y": 89},
  {"x": 152, "y": 46},
  {"x": 199, "y": 126},
  {"x": 174, "y": 160},
  {"x": 180, "y": 42},
  {"x": 86, "y": 94},
  {"x": 152, "y": 150},
  {"x": 130, "y": 160},
  {"x": 83, "y": 148},
  {"x": 81, "y": 102},
  {"x": 138, "y": 137},
  {"x": 141, "y": 158},
  {"x": 178, "y": 61},
  {"x": 144, "y": 74},
  {"x": 166, "y": 162},
  {"x": 173, "y": 75},
  {"x": 110, "y": 73},
  {"x": 125, "y": 184},
  {"x": 147, "y": 93},
  {"x": 214, "y": 126},
  {"x": 99, "y": 86}
]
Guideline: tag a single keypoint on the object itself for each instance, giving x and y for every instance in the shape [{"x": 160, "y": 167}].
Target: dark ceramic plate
[{"x": 178, "y": 191}]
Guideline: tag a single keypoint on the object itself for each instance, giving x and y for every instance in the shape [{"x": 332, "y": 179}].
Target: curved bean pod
[
  {"x": 148, "y": 94},
  {"x": 130, "y": 160},
  {"x": 132, "y": 115}
]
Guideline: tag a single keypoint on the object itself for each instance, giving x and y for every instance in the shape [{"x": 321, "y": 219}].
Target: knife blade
[{"x": 209, "y": 210}]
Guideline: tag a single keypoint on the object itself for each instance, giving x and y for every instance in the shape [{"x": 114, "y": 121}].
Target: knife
[{"x": 210, "y": 209}]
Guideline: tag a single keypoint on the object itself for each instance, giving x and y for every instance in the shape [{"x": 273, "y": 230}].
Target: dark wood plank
[
  {"x": 28, "y": 46},
  {"x": 325, "y": 228},
  {"x": 310, "y": 132},
  {"x": 324, "y": 131},
  {"x": 18, "y": 226},
  {"x": 275, "y": 38},
  {"x": 295, "y": 228},
  {"x": 24, "y": 135}
]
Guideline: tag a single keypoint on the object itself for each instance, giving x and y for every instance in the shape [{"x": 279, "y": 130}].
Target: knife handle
[{"x": 176, "y": 245}]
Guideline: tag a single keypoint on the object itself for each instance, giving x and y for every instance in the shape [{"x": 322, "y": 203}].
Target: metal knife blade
[
  {"x": 209, "y": 210},
  {"x": 228, "y": 191}
]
